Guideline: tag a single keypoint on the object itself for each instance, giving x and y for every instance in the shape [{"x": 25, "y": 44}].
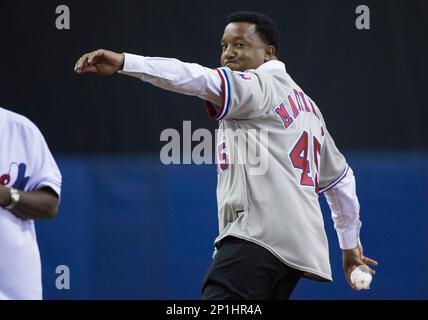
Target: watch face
[
  {"x": 14, "y": 195},
  {"x": 14, "y": 198}
]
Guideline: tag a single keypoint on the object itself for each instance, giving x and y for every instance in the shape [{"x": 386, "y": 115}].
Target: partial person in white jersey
[
  {"x": 271, "y": 229},
  {"x": 30, "y": 188}
]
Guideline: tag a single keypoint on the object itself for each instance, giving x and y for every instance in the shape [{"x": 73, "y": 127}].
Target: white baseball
[{"x": 361, "y": 277}]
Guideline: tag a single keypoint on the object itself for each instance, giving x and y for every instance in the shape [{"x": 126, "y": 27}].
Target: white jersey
[
  {"x": 277, "y": 205},
  {"x": 25, "y": 164}
]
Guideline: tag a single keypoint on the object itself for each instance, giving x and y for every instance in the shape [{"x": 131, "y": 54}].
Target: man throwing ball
[{"x": 271, "y": 226}]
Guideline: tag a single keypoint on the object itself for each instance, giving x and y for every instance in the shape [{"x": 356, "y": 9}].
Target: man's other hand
[{"x": 354, "y": 258}]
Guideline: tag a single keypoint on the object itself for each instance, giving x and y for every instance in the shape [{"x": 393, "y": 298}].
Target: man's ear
[{"x": 270, "y": 53}]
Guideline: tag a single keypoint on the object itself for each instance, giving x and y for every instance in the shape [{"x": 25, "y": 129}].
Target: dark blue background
[{"x": 131, "y": 228}]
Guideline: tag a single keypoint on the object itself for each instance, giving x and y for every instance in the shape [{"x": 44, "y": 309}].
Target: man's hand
[
  {"x": 101, "y": 62},
  {"x": 354, "y": 258},
  {"x": 38, "y": 204}
]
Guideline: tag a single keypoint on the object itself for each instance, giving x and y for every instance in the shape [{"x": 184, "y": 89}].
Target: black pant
[{"x": 242, "y": 270}]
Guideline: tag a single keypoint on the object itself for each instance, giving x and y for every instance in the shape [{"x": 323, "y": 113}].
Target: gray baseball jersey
[{"x": 275, "y": 156}]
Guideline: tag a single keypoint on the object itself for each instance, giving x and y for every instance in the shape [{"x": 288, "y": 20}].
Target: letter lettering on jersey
[
  {"x": 21, "y": 180},
  {"x": 313, "y": 109},
  {"x": 16, "y": 176},
  {"x": 283, "y": 115},
  {"x": 302, "y": 95},
  {"x": 298, "y": 100},
  {"x": 293, "y": 107},
  {"x": 4, "y": 179}
]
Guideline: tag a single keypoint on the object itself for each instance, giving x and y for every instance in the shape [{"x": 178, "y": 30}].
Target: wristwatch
[{"x": 14, "y": 198}]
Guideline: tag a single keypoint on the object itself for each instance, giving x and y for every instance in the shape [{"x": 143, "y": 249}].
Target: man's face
[{"x": 242, "y": 47}]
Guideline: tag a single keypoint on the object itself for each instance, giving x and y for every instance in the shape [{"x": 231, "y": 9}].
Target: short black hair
[{"x": 265, "y": 26}]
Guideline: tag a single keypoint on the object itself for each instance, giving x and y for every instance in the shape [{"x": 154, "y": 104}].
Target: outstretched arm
[
  {"x": 345, "y": 209},
  {"x": 169, "y": 74}
]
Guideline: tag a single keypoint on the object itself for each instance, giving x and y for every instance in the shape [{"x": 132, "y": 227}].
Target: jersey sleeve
[
  {"x": 345, "y": 211},
  {"x": 175, "y": 76},
  {"x": 333, "y": 166},
  {"x": 245, "y": 95},
  {"x": 45, "y": 170}
]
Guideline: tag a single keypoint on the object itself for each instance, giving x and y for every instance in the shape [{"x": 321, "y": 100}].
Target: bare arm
[{"x": 40, "y": 204}]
